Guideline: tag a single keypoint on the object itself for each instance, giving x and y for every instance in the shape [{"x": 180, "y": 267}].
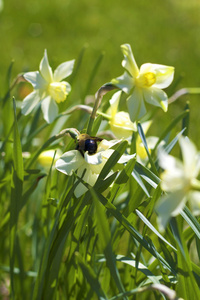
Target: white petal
[
  {"x": 104, "y": 144},
  {"x": 94, "y": 159},
  {"x": 194, "y": 198},
  {"x": 114, "y": 102},
  {"x": 35, "y": 79},
  {"x": 125, "y": 158},
  {"x": 30, "y": 102},
  {"x": 89, "y": 177},
  {"x": 164, "y": 74},
  {"x": 168, "y": 162},
  {"x": 45, "y": 68},
  {"x": 50, "y": 109},
  {"x": 136, "y": 107},
  {"x": 156, "y": 97},
  {"x": 129, "y": 62},
  {"x": 170, "y": 205},
  {"x": 125, "y": 82},
  {"x": 63, "y": 70},
  {"x": 69, "y": 161},
  {"x": 190, "y": 157}
]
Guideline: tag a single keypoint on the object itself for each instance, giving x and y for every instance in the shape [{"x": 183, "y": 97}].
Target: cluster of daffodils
[
  {"x": 179, "y": 181},
  {"x": 87, "y": 163}
]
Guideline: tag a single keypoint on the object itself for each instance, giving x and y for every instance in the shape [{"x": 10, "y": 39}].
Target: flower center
[
  {"x": 57, "y": 90},
  {"x": 146, "y": 79}
]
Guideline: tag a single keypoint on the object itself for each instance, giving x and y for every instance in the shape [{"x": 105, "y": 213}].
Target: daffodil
[
  {"x": 91, "y": 164},
  {"x": 144, "y": 84},
  {"x": 123, "y": 127},
  {"x": 46, "y": 157},
  {"x": 49, "y": 89},
  {"x": 120, "y": 122},
  {"x": 179, "y": 181}
]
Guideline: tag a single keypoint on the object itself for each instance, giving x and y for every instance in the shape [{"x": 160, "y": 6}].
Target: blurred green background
[{"x": 165, "y": 32}]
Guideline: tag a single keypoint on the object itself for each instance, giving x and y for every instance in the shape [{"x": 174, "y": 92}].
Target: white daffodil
[
  {"x": 120, "y": 122},
  {"x": 179, "y": 181},
  {"x": 92, "y": 164},
  {"x": 48, "y": 88},
  {"x": 144, "y": 84}
]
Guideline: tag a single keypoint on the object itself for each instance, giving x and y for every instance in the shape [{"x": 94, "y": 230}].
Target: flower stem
[
  {"x": 98, "y": 97},
  {"x": 182, "y": 92}
]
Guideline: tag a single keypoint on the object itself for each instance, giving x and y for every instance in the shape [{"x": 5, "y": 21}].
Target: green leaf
[
  {"x": 122, "y": 179},
  {"x": 16, "y": 195},
  {"x": 191, "y": 220},
  {"x": 147, "y": 175},
  {"x": 187, "y": 287},
  {"x": 142, "y": 136},
  {"x": 142, "y": 217},
  {"x": 186, "y": 119},
  {"x": 113, "y": 159},
  {"x": 105, "y": 241},
  {"x": 126, "y": 224},
  {"x": 169, "y": 129},
  {"x": 91, "y": 277}
]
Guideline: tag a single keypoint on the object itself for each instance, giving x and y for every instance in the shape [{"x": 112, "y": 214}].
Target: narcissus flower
[
  {"x": 74, "y": 160},
  {"x": 144, "y": 84},
  {"x": 120, "y": 122},
  {"x": 179, "y": 181},
  {"x": 48, "y": 88},
  {"x": 46, "y": 157}
]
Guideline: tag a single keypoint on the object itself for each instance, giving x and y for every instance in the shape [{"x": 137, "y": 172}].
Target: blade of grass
[
  {"x": 91, "y": 277},
  {"x": 105, "y": 242},
  {"x": 16, "y": 195}
]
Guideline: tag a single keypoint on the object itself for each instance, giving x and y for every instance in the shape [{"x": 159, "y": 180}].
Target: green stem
[
  {"x": 98, "y": 96},
  {"x": 182, "y": 92}
]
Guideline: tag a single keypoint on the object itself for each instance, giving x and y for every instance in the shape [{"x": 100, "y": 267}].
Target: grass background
[{"x": 165, "y": 32}]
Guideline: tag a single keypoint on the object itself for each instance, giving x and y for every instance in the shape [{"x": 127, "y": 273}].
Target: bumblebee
[{"x": 87, "y": 143}]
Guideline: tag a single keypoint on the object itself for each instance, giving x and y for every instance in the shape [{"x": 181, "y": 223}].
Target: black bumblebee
[{"x": 87, "y": 143}]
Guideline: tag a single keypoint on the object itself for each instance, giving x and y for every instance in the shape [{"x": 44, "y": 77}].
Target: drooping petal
[
  {"x": 30, "y": 102},
  {"x": 114, "y": 102},
  {"x": 35, "y": 79},
  {"x": 125, "y": 82},
  {"x": 88, "y": 177},
  {"x": 170, "y": 205},
  {"x": 63, "y": 70},
  {"x": 190, "y": 157},
  {"x": 50, "y": 109},
  {"x": 129, "y": 62},
  {"x": 45, "y": 68},
  {"x": 70, "y": 161},
  {"x": 156, "y": 97},
  {"x": 164, "y": 74},
  {"x": 46, "y": 157},
  {"x": 136, "y": 107},
  {"x": 168, "y": 162}
]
